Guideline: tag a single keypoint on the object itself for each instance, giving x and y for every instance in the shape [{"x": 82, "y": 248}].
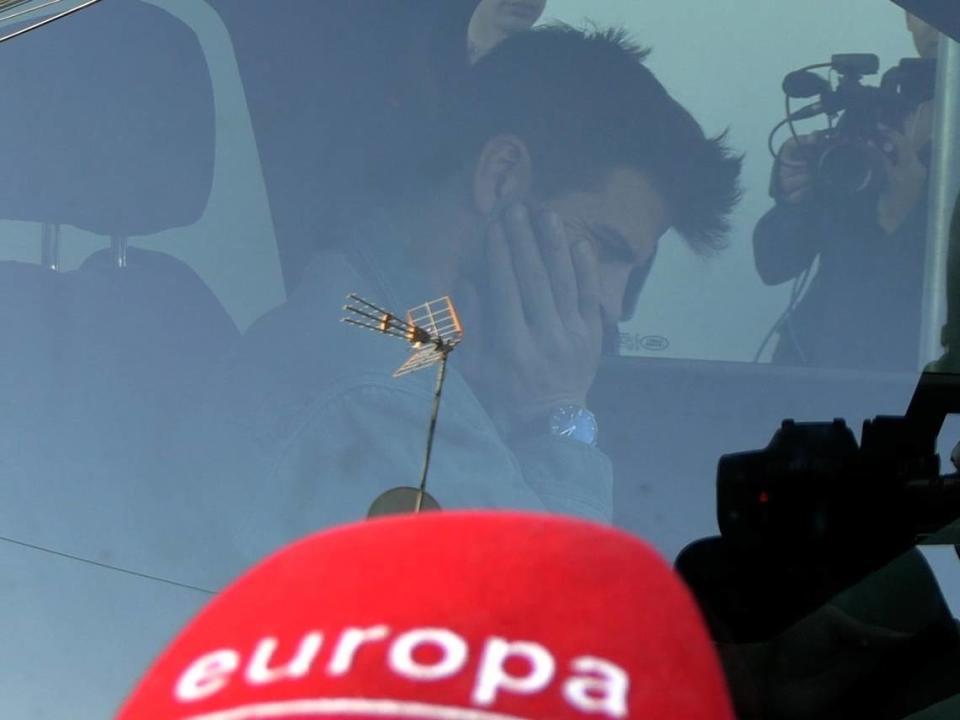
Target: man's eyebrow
[{"x": 615, "y": 238}]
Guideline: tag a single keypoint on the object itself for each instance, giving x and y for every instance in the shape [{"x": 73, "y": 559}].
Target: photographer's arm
[
  {"x": 785, "y": 242},
  {"x": 906, "y": 182}
]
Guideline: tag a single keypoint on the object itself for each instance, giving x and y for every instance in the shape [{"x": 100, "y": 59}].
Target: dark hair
[{"x": 584, "y": 103}]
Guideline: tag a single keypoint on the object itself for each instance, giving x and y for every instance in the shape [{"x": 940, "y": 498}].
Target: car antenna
[{"x": 432, "y": 330}]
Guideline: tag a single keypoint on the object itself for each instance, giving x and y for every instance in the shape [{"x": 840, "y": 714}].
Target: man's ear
[{"x": 503, "y": 174}]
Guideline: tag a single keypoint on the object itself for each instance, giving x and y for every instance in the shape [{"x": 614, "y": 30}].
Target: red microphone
[{"x": 446, "y": 616}]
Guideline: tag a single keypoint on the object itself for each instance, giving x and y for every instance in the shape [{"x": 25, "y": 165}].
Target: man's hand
[
  {"x": 905, "y": 176},
  {"x": 794, "y": 177},
  {"x": 541, "y": 327},
  {"x": 906, "y": 180}
]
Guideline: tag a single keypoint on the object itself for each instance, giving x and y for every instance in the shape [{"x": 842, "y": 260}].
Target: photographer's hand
[
  {"x": 542, "y": 331},
  {"x": 906, "y": 181},
  {"x": 794, "y": 177}
]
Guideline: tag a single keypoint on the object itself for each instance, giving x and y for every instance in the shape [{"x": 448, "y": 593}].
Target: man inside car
[{"x": 559, "y": 167}]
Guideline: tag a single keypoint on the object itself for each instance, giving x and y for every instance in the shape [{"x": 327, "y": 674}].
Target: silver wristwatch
[{"x": 574, "y": 422}]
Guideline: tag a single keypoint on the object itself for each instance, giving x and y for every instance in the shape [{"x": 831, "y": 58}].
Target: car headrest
[{"x": 107, "y": 122}]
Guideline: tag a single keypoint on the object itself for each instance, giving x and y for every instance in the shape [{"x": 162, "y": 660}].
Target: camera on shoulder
[{"x": 845, "y": 159}]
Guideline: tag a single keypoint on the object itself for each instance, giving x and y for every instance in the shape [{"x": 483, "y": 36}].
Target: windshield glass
[{"x": 646, "y": 236}]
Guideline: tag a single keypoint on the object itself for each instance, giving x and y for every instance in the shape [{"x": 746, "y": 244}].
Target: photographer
[{"x": 862, "y": 308}]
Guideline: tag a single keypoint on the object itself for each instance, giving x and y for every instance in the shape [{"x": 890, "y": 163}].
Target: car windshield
[{"x": 691, "y": 264}]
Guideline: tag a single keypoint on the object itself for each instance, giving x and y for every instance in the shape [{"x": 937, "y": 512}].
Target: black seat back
[
  {"x": 107, "y": 122},
  {"x": 108, "y": 125}
]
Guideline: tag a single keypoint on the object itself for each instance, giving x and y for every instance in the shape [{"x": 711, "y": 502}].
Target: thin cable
[
  {"x": 817, "y": 66},
  {"x": 773, "y": 133},
  {"x": 796, "y": 292},
  {"x": 799, "y": 288},
  {"x": 768, "y": 337},
  {"x": 104, "y": 566},
  {"x": 790, "y": 122},
  {"x": 788, "y": 119}
]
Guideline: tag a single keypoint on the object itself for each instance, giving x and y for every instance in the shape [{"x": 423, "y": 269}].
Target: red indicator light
[{"x": 764, "y": 497}]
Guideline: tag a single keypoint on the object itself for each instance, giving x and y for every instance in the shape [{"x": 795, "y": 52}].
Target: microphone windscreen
[
  {"x": 446, "y": 616},
  {"x": 804, "y": 84}
]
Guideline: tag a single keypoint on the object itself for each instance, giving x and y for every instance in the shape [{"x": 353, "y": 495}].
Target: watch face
[{"x": 574, "y": 422}]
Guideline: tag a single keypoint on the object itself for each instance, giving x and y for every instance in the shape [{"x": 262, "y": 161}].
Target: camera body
[
  {"x": 847, "y": 158},
  {"x": 815, "y": 495},
  {"x": 816, "y": 512}
]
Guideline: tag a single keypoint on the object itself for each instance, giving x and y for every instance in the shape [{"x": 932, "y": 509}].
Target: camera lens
[{"x": 846, "y": 168}]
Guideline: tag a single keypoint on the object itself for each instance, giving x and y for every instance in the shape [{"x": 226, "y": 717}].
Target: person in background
[
  {"x": 496, "y": 20},
  {"x": 926, "y": 38},
  {"x": 376, "y": 70},
  {"x": 862, "y": 308}
]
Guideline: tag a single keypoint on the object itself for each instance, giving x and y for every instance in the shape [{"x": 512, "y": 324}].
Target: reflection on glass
[
  {"x": 170, "y": 418},
  {"x": 852, "y": 199}
]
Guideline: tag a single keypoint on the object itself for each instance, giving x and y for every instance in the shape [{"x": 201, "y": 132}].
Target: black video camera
[
  {"x": 815, "y": 512},
  {"x": 813, "y": 492},
  {"x": 845, "y": 158}
]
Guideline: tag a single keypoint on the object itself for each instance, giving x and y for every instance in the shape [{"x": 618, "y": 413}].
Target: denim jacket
[{"x": 305, "y": 426}]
